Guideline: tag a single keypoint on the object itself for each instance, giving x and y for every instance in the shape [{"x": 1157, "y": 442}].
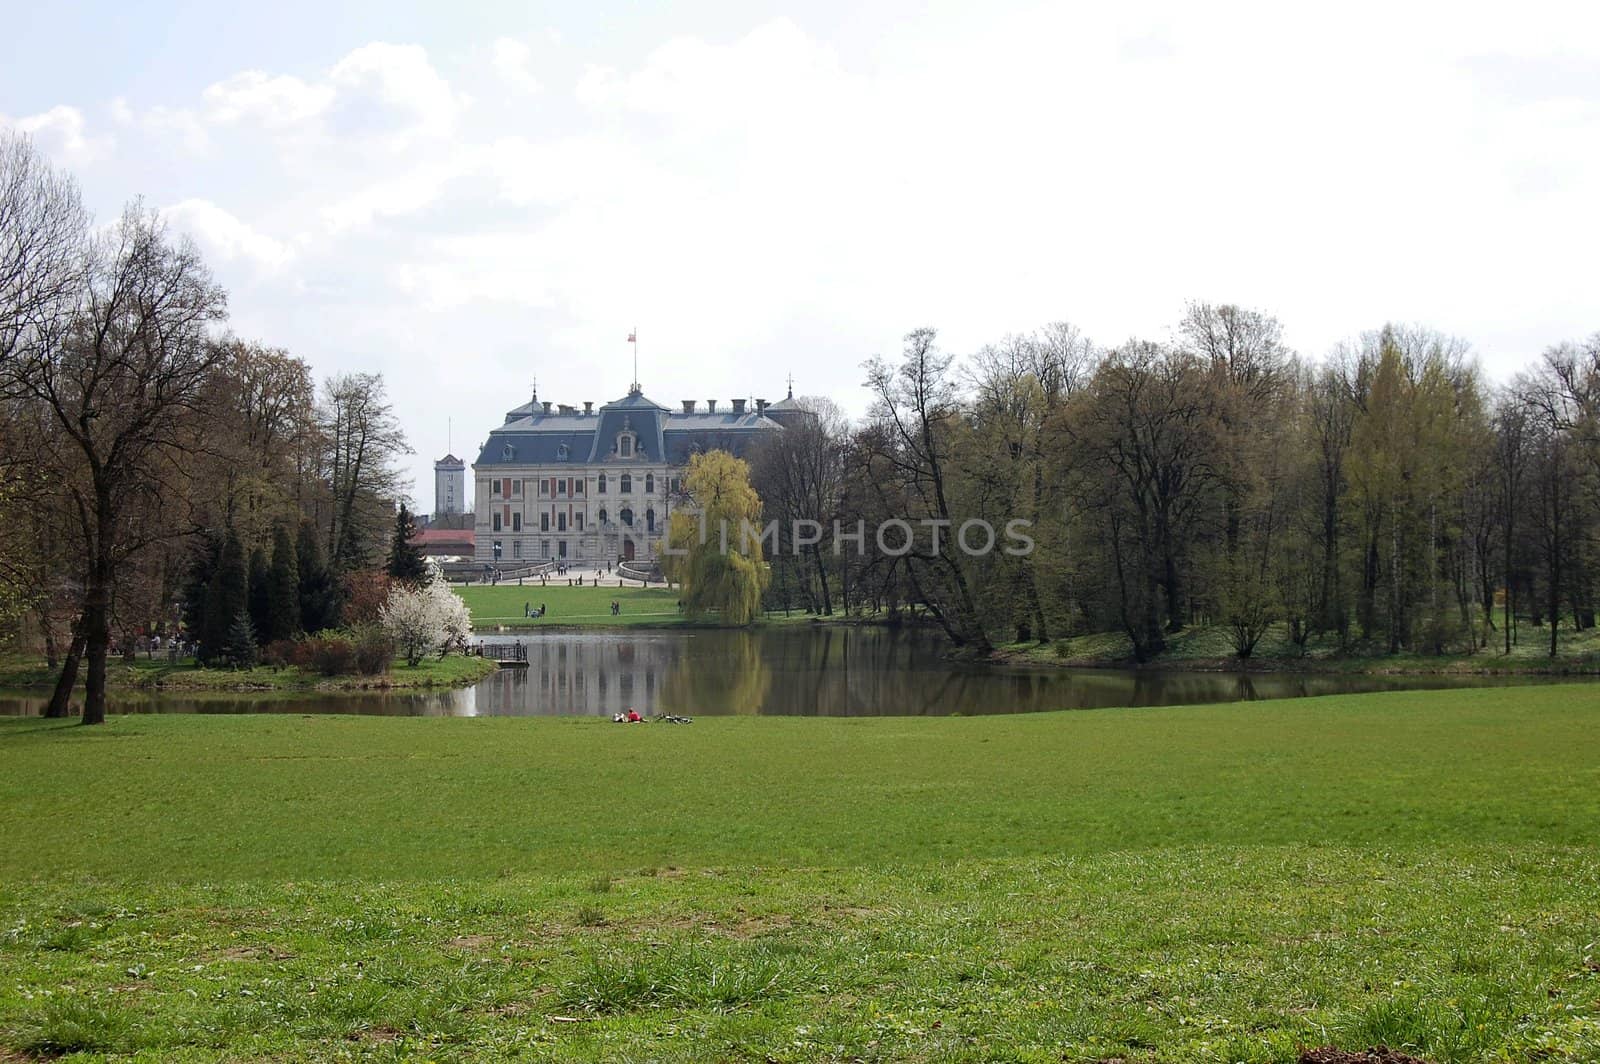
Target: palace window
[
  {"x": 516, "y": 522},
  {"x": 580, "y": 520},
  {"x": 561, "y": 546},
  {"x": 516, "y": 548},
  {"x": 602, "y": 515},
  {"x": 516, "y": 489},
  {"x": 677, "y": 485},
  {"x": 544, "y": 522},
  {"x": 600, "y": 487},
  {"x": 626, "y": 516},
  {"x": 650, "y": 519},
  {"x": 649, "y": 483},
  {"x": 625, "y": 445},
  {"x": 561, "y": 522},
  {"x": 561, "y": 452},
  {"x": 495, "y": 522},
  {"x": 507, "y": 453},
  {"x": 627, "y": 484}
]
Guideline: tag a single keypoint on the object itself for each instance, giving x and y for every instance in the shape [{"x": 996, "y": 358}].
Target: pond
[{"x": 794, "y": 671}]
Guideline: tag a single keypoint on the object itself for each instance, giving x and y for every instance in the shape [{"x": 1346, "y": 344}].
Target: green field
[
  {"x": 454, "y": 670},
  {"x": 501, "y": 604},
  {"x": 1217, "y": 883},
  {"x": 1577, "y": 652}
]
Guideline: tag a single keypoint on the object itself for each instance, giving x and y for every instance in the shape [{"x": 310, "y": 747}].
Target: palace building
[{"x": 592, "y": 488}]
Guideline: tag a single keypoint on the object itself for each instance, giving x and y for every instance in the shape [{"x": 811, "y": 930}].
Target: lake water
[{"x": 795, "y": 671}]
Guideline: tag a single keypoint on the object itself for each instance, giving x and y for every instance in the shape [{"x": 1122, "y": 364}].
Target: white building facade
[{"x": 591, "y": 488}]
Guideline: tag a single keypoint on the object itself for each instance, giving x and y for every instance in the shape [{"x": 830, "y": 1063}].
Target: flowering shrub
[{"x": 425, "y": 619}]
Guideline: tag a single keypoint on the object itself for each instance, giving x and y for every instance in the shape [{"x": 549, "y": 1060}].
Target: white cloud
[
  {"x": 61, "y": 132},
  {"x": 271, "y": 102},
  {"x": 225, "y": 237},
  {"x": 401, "y": 77},
  {"x": 513, "y": 62}
]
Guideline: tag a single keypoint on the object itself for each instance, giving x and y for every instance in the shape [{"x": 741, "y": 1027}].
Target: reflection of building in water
[{"x": 584, "y": 676}]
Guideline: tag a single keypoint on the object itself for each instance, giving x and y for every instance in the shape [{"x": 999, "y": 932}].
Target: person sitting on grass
[{"x": 633, "y": 716}]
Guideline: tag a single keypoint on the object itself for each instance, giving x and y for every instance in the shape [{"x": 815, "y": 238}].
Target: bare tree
[
  {"x": 122, "y": 387},
  {"x": 914, "y": 405},
  {"x": 43, "y": 228},
  {"x": 362, "y": 441},
  {"x": 799, "y": 474}
]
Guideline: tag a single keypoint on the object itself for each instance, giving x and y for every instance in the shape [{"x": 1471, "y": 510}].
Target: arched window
[
  {"x": 627, "y": 516},
  {"x": 508, "y": 453},
  {"x": 602, "y": 515},
  {"x": 625, "y": 445},
  {"x": 650, "y": 519},
  {"x": 602, "y": 487},
  {"x": 627, "y": 484},
  {"x": 649, "y": 483}
]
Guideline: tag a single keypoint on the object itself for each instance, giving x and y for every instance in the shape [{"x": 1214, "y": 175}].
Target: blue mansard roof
[{"x": 530, "y": 436}]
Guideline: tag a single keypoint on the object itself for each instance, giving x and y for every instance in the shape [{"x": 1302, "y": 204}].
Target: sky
[{"x": 470, "y": 197}]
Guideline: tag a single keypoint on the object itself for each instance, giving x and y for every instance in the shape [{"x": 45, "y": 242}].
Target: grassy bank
[
  {"x": 158, "y": 675},
  {"x": 1208, "y": 648},
  {"x": 501, "y": 605},
  {"x": 1215, "y": 883}
]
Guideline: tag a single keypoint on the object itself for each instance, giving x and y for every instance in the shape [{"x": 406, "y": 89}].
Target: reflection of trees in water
[
  {"x": 839, "y": 671},
  {"x": 725, "y": 674}
]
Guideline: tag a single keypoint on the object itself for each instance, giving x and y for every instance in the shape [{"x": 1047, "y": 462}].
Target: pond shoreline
[
  {"x": 154, "y": 676},
  {"x": 1480, "y": 665}
]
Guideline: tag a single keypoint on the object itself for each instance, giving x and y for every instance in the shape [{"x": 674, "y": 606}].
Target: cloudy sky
[{"x": 467, "y": 197}]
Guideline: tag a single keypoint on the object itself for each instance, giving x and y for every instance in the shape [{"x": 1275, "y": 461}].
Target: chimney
[
  {"x": 761, "y": 406},
  {"x": 565, "y": 409},
  {"x": 711, "y": 406},
  {"x": 738, "y": 406},
  {"x": 546, "y": 404},
  {"x": 588, "y": 408},
  {"x": 688, "y": 406}
]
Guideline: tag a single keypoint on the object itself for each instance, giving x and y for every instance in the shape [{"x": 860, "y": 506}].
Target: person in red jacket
[{"x": 633, "y": 716}]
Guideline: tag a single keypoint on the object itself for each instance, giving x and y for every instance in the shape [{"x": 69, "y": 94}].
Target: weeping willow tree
[{"x": 714, "y": 546}]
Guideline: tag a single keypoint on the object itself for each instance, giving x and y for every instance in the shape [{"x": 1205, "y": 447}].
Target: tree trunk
[
  {"x": 60, "y": 704},
  {"x": 822, "y": 577},
  {"x": 97, "y": 639}
]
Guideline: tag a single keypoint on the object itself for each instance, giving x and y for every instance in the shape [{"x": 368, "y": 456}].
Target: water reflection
[{"x": 800, "y": 671}]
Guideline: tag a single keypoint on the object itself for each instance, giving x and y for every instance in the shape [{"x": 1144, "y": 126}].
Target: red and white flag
[{"x": 632, "y": 339}]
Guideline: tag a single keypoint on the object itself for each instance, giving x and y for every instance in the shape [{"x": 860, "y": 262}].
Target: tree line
[
  {"x": 1385, "y": 498},
  {"x": 155, "y": 468}
]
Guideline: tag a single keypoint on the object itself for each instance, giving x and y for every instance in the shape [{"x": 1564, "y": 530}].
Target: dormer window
[
  {"x": 561, "y": 452},
  {"x": 508, "y": 453},
  {"x": 625, "y": 444}
]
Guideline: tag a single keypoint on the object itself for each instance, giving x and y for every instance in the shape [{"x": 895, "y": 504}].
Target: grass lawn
[
  {"x": 501, "y": 604},
  {"x": 156, "y": 674},
  {"x": 1209, "y": 647},
  {"x": 1217, "y": 883}
]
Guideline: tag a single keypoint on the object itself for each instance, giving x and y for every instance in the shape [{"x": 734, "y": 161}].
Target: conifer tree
[
  {"x": 283, "y": 589},
  {"x": 406, "y": 562}
]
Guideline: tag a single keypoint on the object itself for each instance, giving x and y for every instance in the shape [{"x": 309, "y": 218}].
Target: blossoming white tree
[{"x": 426, "y": 618}]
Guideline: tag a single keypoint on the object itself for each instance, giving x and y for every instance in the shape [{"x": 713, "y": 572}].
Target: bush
[
  {"x": 329, "y": 655},
  {"x": 280, "y": 653},
  {"x": 373, "y": 649}
]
